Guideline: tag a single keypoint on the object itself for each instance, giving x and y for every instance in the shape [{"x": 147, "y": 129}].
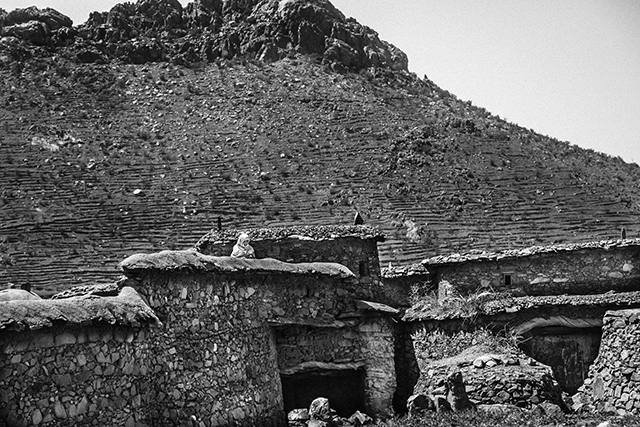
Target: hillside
[{"x": 105, "y": 158}]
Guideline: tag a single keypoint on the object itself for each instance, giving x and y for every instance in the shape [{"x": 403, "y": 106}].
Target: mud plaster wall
[
  {"x": 614, "y": 378},
  {"x": 75, "y": 376},
  {"x": 583, "y": 271}
]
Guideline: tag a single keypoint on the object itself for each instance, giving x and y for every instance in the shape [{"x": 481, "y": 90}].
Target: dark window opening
[
  {"x": 343, "y": 388},
  {"x": 364, "y": 269},
  {"x": 507, "y": 280}
]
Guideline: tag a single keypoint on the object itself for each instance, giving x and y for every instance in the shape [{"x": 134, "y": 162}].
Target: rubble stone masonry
[
  {"x": 579, "y": 272},
  {"x": 213, "y": 360},
  {"x": 63, "y": 376},
  {"x": 614, "y": 377}
]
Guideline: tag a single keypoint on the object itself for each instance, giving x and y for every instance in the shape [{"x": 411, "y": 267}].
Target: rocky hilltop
[
  {"x": 138, "y": 129},
  {"x": 208, "y": 30}
]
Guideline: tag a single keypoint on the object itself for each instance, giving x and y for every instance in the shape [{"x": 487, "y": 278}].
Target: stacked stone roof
[
  {"x": 474, "y": 256},
  {"x": 311, "y": 232},
  {"x": 392, "y": 272},
  {"x": 493, "y": 304}
]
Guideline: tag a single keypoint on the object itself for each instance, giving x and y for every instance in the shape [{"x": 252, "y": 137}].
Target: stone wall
[
  {"x": 614, "y": 378},
  {"x": 218, "y": 347},
  {"x": 75, "y": 376},
  {"x": 229, "y": 329},
  {"x": 378, "y": 351},
  {"x": 505, "y": 375},
  {"x": 579, "y": 272},
  {"x": 358, "y": 255},
  {"x": 367, "y": 344},
  {"x": 568, "y": 351},
  {"x": 298, "y": 344},
  {"x": 217, "y": 350}
]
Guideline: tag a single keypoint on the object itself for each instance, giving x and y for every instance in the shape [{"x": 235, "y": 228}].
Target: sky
[{"x": 569, "y": 69}]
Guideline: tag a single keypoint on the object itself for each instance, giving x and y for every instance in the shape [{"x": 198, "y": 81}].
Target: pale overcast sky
[{"x": 569, "y": 69}]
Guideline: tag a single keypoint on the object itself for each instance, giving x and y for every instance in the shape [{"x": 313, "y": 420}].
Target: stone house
[
  {"x": 76, "y": 361},
  {"x": 205, "y": 340},
  {"x": 583, "y": 268},
  {"x": 355, "y": 247},
  {"x": 254, "y": 338}
]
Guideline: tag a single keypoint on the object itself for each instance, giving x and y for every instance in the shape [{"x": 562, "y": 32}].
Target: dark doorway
[
  {"x": 343, "y": 388},
  {"x": 568, "y": 351}
]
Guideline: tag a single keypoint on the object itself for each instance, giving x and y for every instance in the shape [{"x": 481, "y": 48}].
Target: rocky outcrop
[
  {"x": 38, "y": 26},
  {"x": 209, "y": 30},
  {"x": 53, "y": 19}
]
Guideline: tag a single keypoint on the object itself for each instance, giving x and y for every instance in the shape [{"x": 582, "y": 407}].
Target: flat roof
[
  {"x": 192, "y": 260},
  {"x": 392, "y": 272},
  {"x": 126, "y": 309},
  {"x": 302, "y": 232},
  {"x": 423, "y": 310}
]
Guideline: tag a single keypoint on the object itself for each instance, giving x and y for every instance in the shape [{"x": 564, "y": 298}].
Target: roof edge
[
  {"x": 478, "y": 256},
  {"x": 192, "y": 260}
]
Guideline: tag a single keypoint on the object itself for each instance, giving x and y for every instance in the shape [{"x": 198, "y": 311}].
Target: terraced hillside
[{"x": 102, "y": 160}]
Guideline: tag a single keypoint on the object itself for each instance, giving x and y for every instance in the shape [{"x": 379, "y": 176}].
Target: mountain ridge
[{"x": 110, "y": 157}]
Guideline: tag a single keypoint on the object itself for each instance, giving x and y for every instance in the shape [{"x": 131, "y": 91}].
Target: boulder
[
  {"x": 547, "y": 409},
  {"x": 320, "y": 409},
  {"x": 419, "y": 403},
  {"x": 441, "y": 403},
  {"x": 359, "y": 419},
  {"x": 301, "y": 414},
  {"x": 53, "y": 19},
  {"x": 203, "y": 14},
  {"x": 33, "y": 31}
]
